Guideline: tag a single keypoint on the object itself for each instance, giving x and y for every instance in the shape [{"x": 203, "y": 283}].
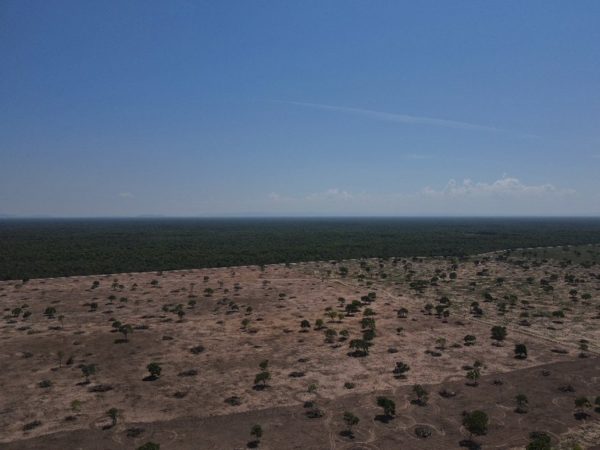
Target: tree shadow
[
  {"x": 383, "y": 418},
  {"x": 470, "y": 444},
  {"x": 581, "y": 415}
]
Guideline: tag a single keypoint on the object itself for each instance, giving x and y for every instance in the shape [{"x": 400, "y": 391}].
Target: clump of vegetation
[
  {"x": 350, "y": 420},
  {"x": 256, "y": 432},
  {"x": 476, "y": 423},
  {"x": 388, "y": 406},
  {"x": 155, "y": 370}
]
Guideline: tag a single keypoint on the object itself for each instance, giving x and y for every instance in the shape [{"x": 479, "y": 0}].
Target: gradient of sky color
[{"x": 197, "y": 108}]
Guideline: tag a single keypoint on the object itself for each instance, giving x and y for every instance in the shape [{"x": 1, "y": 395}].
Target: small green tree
[
  {"x": 126, "y": 330},
  {"x": 539, "y": 441},
  {"x": 421, "y": 393},
  {"x": 88, "y": 370},
  {"x": 360, "y": 347},
  {"x": 521, "y": 351},
  {"x": 330, "y": 335},
  {"x": 149, "y": 446},
  {"x": 522, "y": 403},
  {"x": 476, "y": 423},
  {"x": 400, "y": 369},
  {"x": 305, "y": 325},
  {"x": 256, "y": 432},
  {"x": 154, "y": 369},
  {"x": 582, "y": 404},
  {"x": 113, "y": 413},
  {"x": 470, "y": 340},
  {"x": 262, "y": 377},
  {"x": 473, "y": 376},
  {"x": 50, "y": 312},
  {"x": 388, "y": 405},
  {"x": 350, "y": 420},
  {"x": 499, "y": 333}
]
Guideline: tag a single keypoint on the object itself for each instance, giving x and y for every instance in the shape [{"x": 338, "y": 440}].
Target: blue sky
[{"x": 299, "y": 108}]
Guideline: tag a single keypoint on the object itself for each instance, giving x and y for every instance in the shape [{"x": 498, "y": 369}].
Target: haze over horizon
[{"x": 339, "y": 108}]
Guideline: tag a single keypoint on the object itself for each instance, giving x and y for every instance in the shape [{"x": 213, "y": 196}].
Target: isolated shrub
[
  {"x": 476, "y": 422},
  {"x": 522, "y": 403},
  {"x": 256, "y": 431},
  {"x": 350, "y": 420},
  {"x": 421, "y": 393},
  {"x": 521, "y": 351},
  {"x": 88, "y": 370},
  {"x": 262, "y": 377},
  {"x": 126, "y": 330},
  {"x": 539, "y": 441},
  {"x": 113, "y": 413},
  {"x": 470, "y": 340},
  {"x": 400, "y": 369},
  {"x": 149, "y": 446},
  {"x": 388, "y": 405},
  {"x": 154, "y": 369},
  {"x": 499, "y": 333},
  {"x": 360, "y": 347}
]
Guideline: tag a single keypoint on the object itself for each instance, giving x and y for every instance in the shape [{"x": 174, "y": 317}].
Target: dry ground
[{"x": 529, "y": 292}]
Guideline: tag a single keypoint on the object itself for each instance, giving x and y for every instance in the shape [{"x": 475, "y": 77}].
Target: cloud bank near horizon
[{"x": 504, "y": 196}]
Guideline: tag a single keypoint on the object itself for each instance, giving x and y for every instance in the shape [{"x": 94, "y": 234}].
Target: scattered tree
[
  {"x": 88, "y": 370},
  {"x": 113, "y": 413},
  {"x": 388, "y": 405},
  {"x": 125, "y": 330},
  {"x": 256, "y": 432},
  {"x": 350, "y": 420},
  {"x": 476, "y": 423},
  {"x": 521, "y": 351},
  {"x": 499, "y": 333},
  {"x": 421, "y": 393},
  {"x": 154, "y": 369},
  {"x": 522, "y": 403}
]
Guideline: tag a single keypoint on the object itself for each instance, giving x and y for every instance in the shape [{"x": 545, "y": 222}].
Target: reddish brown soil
[{"x": 181, "y": 412}]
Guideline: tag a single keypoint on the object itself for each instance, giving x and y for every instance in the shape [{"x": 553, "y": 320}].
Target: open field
[{"x": 209, "y": 329}]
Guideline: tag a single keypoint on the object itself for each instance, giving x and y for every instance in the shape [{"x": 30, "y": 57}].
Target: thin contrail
[{"x": 399, "y": 118}]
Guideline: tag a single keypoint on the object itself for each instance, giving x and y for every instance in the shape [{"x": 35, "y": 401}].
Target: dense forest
[{"x": 49, "y": 248}]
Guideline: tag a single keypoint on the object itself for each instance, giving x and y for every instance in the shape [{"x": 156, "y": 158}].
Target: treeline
[{"x": 49, "y": 248}]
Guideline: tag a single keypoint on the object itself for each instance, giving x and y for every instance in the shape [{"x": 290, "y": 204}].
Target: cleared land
[{"x": 209, "y": 330}]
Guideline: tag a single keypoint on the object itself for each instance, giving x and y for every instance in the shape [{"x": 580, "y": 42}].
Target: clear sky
[{"x": 190, "y": 108}]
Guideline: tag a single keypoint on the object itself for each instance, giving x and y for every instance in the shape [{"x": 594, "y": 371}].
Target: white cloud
[
  {"x": 505, "y": 196},
  {"x": 125, "y": 195},
  {"x": 505, "y": 186},
  {"x": 331, "y": 194}
]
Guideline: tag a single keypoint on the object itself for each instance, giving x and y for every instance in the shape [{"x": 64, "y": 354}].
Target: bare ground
[{"x": 186, "y": 406}]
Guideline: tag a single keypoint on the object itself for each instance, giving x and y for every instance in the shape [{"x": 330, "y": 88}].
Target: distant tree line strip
[{"x": 52, "y": 248}]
